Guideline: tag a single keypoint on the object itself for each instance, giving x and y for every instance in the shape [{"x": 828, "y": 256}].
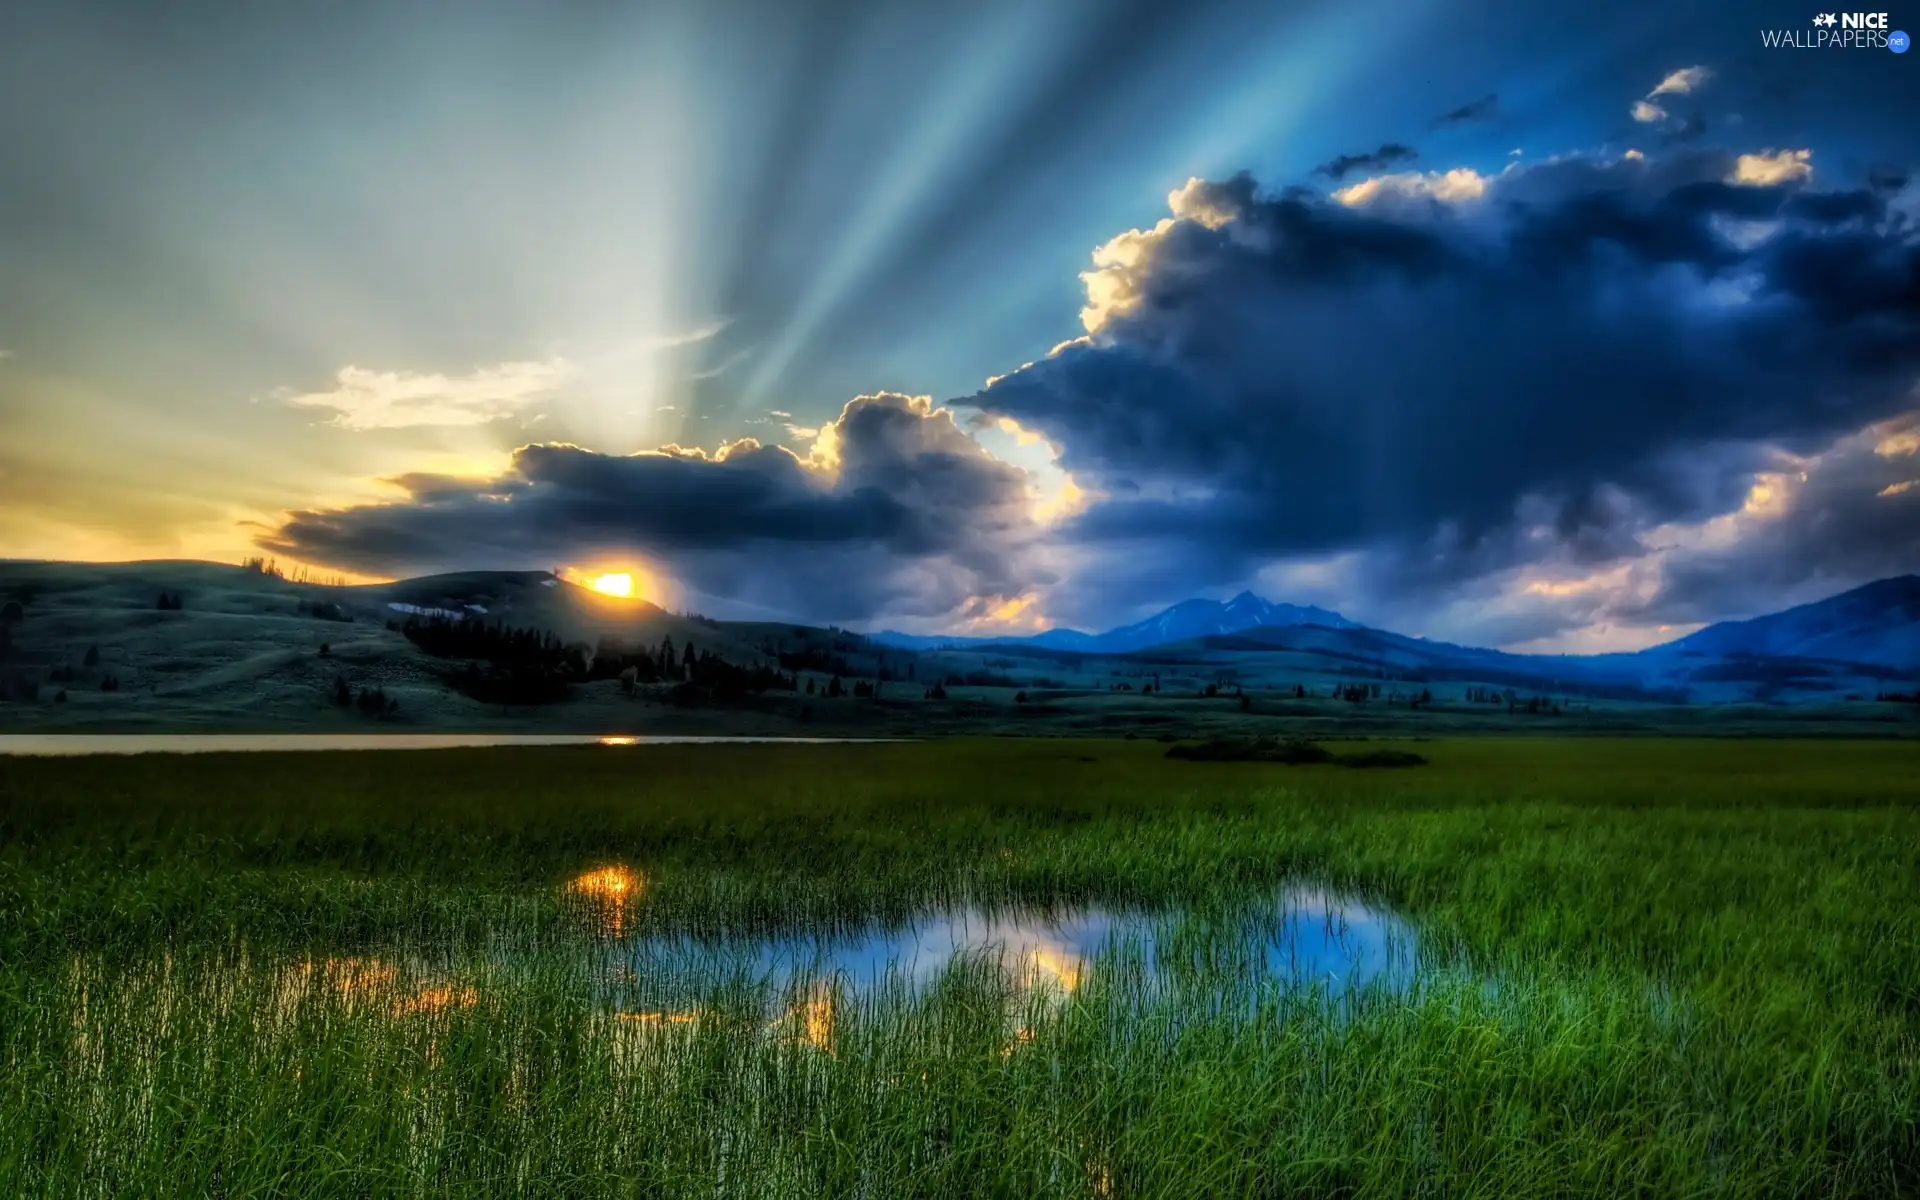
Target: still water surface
[
  {"x": 1301, "y": 938},
  {"x": 204, "y": 743}
]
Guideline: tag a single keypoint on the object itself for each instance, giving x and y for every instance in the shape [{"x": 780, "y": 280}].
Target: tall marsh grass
[{"x": 1654, "y": 968}]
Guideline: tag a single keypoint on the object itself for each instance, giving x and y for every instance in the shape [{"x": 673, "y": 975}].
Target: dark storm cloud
[
  {"x": 907, "y": 514},
  {"x": 1389, "y": 155},
  {"x": 1885, "y": 178},
  {"x": 1468, "y": 114},
  {"x": 1539, "y": 367},
  {"x": 1687, "y": 129}
]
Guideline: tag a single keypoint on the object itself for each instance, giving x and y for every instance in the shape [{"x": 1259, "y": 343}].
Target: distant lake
[{"x": 221, "y": 743}]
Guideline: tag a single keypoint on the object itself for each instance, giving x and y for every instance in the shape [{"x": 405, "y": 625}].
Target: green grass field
[{"x": 1654, "y": 967}]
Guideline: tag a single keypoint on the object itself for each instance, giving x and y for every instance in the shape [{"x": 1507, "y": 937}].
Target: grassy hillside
[{"x": 245, "y": 647}]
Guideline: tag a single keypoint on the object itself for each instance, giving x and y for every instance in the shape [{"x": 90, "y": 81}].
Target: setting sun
[{"x": 613, "y": 585}]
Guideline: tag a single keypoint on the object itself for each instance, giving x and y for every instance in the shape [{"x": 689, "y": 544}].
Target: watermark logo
[{"x": 1839, "y": 31}]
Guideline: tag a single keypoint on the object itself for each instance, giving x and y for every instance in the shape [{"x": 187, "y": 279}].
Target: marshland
[{"x": 1527, "y": 967}]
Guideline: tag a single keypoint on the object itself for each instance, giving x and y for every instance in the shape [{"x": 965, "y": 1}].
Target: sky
[{"x": 1546, "y": 327}]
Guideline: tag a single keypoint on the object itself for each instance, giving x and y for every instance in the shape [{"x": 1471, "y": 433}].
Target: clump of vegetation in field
[
  {"x": 1382, "y": 758},
  {"x": 1292, "y": 752}
]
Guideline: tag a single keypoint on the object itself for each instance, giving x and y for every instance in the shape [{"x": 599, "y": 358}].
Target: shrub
[
  {"x": 1252, "y": 750},
  {"x": 1383, "y": 758},
  {"x": 1290, "y": 753}
]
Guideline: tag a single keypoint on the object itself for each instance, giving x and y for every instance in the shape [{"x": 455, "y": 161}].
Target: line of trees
[
  {"x": 532, "y": 666},
  {"x": 503, "y": 665},
  {"x": 373, "y": 701}
]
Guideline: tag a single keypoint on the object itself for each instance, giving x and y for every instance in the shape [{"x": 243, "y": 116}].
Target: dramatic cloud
[
  {"x": 1467, "y": 114},
  {"x": 1647, "y": 111},
  {"x": 1569, "y": 405},
  {"x": 1389, "y": 155},
  {"x": 1463, "y": 375},
  {"x": 895, "y": 510},
  {"x": 362, "y": 399},
  {"x": 1788, "y": 528}
]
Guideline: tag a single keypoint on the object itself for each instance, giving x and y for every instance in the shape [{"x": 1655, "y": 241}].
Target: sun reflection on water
[
  {"x": 1048, "y": 966},
  {"x": 610, "y": 891}
]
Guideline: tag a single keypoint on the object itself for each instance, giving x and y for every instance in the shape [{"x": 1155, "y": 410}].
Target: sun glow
[
  {"x": 609, "y": 892},
  {"x": 615, "y": 580}
]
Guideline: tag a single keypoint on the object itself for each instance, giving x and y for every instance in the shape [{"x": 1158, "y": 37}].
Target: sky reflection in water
[{"x": 1302, "y": 939}]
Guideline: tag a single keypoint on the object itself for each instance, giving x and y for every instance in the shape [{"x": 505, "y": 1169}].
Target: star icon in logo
[{"x": 1827, "y": 19}]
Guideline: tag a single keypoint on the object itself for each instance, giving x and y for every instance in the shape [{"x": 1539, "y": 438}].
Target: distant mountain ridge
[
  {"x": 1875, "y": 627},
  {"x": 1183, "y": 622},
  {"x": 1877, "y": 624}
]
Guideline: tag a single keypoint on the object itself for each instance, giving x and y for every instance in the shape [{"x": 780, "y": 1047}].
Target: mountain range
[
  {"x": 1876, "y": 626},
  {"x": 1183, "y": 622}
]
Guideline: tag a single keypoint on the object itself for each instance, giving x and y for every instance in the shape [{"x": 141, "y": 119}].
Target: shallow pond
[
  {"x": 1303, "y": 938},
  {"x": 1298, "y": 939}
]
